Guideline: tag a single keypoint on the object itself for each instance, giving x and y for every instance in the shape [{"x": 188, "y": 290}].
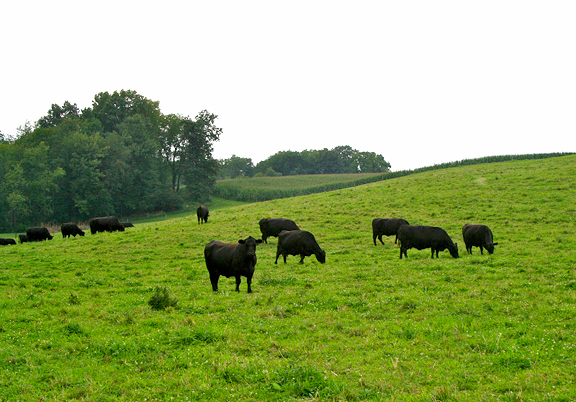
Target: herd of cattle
[
  {"x": 101, "y": 224},
  {"x": 239, "y": 259}
]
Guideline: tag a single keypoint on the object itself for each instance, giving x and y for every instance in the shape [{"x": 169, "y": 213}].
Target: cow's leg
[
  {"x": 238, "y": 280},
  {"x": 277, "y": 255},
  {"x": 481, "y": 250},
  {"x": 432, "y": 252},
  {"x": 249, "y": 282},
  {"x": 396, "y": 239},
  {"x": 214, "y": 280},
  {"x": 264, "y": 238},
  {"x": 380, "y": 238},
  {"x": 301, "y": 259}
]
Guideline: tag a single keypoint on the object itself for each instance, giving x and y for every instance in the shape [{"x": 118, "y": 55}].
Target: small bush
[{"x": 161, "y": 299}]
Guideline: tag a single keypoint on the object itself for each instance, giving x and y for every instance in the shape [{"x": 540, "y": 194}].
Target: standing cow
[
  {"x": 479, "y": 236},
  {"x": 7, "y": 242},
  {"x": 237, "y": 259},
  {"x": 70, "y": 229},
  {"x": 271, "y": 227},
  {"x": 23, "y": 238},
  {"x": 38, "y": 234},
  {"x": 202, "y": 214},
  {"x": 298, "y": 242},
  {"x": 421, "y": 237},
  {"x": 386, "y": 227},
  {"x": 105, "y": 224}
]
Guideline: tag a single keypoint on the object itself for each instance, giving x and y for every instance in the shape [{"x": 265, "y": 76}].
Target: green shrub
[{"x": 161, "y": 299}]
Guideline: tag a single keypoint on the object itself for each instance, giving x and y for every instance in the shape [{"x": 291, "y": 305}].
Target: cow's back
[
  {"x": 298, "y": 242},
  {"x": 476, "y": 234},
  {"x": 415, "y": 236}
]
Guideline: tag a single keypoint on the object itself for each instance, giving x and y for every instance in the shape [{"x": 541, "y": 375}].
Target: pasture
[{"x": 76, "y": 323}]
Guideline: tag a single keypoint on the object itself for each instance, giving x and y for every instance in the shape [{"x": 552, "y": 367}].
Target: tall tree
[{"x": 186, "y": 148}]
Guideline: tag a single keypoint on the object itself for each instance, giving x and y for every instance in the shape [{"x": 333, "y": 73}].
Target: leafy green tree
[
  {"x": 83, "y": 192},
  {"x": 32, "y": 181},
  {"x": 236, "y": 166},
  {"x": 17, "y": 206},
  {"x": 112, "y": 109},
  {"x": 370, "y": 162},
  {"x": 142, "y": 185},
  {"x": 199, "y": 167},
  {"x": 172, "y": 147},
  {"x": 57, "y": 113},
  {"x": 186, "y": 149}
]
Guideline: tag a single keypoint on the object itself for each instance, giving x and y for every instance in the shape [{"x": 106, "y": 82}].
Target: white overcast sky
[{"x": 420, "y": 82}]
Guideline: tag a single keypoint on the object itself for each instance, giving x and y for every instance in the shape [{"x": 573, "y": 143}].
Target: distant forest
[
  {"x": 120, "y": 156},
  {"x": 342, "y": 159}
]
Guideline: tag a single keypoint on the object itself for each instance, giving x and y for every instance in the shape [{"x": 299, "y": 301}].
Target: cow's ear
[
  {"x": 494, "y": 244},
  {"x": 241, "y": 241}
]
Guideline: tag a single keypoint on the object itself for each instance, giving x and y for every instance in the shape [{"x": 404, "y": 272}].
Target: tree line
[
  {"x": 342, "y": 159},
  {"x": 121, "y": 156}
]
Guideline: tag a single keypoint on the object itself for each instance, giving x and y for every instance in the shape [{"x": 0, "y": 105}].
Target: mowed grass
[{"x": 75, "y": 323}]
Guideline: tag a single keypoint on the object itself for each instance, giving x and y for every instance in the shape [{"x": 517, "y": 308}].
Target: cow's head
[
  {"x": 250, "y": 245},
  {"x": 321, "y": 256},
  {"x": 453, "y": 248},
  {"x": 490, "y": 247}
]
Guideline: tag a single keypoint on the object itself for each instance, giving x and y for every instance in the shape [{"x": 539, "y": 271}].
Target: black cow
[
  {"x": 421, "y": 237},
  {"x": 298, "y": 242},
  {"x": 386, "y": 227},
  {"x": 127, "y": 224},
  {"x": 7, "y": 242},
  {"x": 479, "y": 236},
  {"x": 70, "y": 229},
  {"x": 271, "y": 227},
  {"x": 105, "y": 224},
  {"x": 202, "y": 214},
  {"x": 23, "y": 238},
  {"x": 38, "y": 234},
  {"x": 228, "y": 259}
]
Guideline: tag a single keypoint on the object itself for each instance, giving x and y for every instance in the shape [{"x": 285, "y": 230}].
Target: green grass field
[
  {"x": 255, "y": 189},
  {"x": 75, "y": 323}
]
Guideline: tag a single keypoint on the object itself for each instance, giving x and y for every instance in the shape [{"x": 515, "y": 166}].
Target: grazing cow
[
  {"x": 227, "y": 259},
  {"x": 479, "y": 236},
  {"x": 70, "y": 229},
  {"x": 202, "y": 214},
  {"x": 105, "y": 224},
  {"x": 421, "y": 237},
  {"x": 298, "y": 242},
  {"x": 23, "y": 238},
  {"x": 6, "y": 242},
  {"x": 386, "y": 227},
  {"x": 273, "y": 226},
  {"x": 38, "y": 234},
  {"x": 127, "y": 224}
]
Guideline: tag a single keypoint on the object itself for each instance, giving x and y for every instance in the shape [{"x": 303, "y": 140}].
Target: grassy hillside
[
  {"x": 75, "y": 323},
  {"x": 269, "y": 188}
]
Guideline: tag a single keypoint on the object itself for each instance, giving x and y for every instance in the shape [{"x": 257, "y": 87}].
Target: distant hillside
[{"x": 268, "y": 188}]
